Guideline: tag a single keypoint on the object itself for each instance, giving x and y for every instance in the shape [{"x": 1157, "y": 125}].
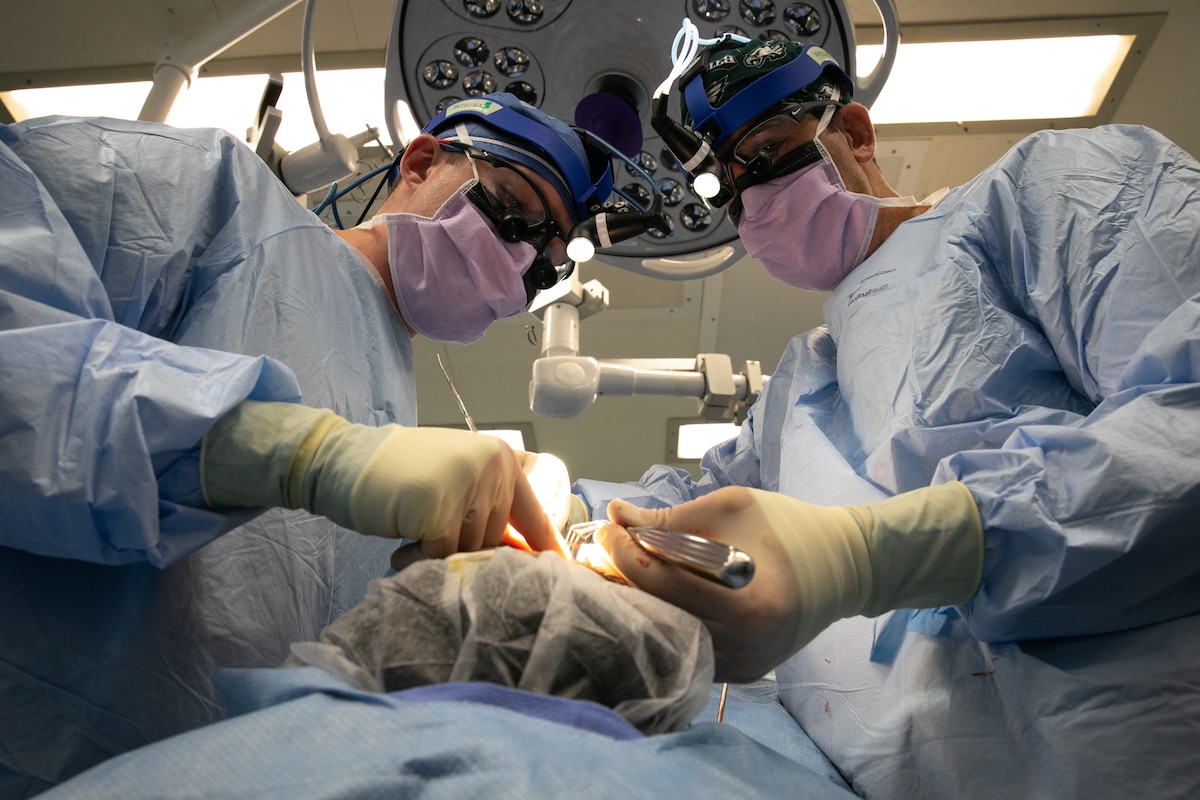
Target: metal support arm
[
  {"x": 183, "y": 57},
  {"x": 565, "y": 384}
]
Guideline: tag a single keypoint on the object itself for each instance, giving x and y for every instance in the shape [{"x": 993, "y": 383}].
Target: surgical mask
[
  {"x": 806, "y": 228},
  {"x": 453, "y": 275}
]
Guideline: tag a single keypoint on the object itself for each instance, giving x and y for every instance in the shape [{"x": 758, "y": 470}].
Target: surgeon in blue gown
[
  {"x": 997, "y": 424},
  {"x": 182, "y": 345}
]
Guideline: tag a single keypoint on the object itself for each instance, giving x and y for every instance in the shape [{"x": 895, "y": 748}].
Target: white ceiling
[{"x": 84, "y": 41}]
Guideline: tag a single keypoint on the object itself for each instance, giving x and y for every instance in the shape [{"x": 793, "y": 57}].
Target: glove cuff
[
  {"x": 926, "y": 548},
  {"x": 577, "y": 513},
  {"x": 255, "y": 454},
  {"x": 829, "y": 557}
]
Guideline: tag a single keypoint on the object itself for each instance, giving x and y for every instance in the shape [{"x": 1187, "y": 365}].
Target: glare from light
[
  {"x": 515, "y": 439},
  {"x": 580, "y": 249},
  {"x": 119, "y": 100},
  {"x": 593, "y": 556},
  {"x": 1011, "y": 79},
  {"x": 406, "y": 123},
  {"x": 707, "y": 184},
  {"x": 351, "y": 99},
  {"x": 697, "y": 439}
]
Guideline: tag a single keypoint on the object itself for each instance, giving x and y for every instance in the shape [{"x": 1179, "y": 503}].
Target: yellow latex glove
[
  {"x": 814, "y": 564},
  {"x": 551, "y": 484},
  {"x": 450, "y": 489}
]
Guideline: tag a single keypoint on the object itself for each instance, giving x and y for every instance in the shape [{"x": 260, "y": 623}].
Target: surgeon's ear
[
  {"x": 856, "y": 123},
  {"x": 419, "y": 157}
]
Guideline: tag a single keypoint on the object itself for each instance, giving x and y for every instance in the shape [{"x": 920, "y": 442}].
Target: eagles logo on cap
[
  {"x": 769, "y": 71},
  {"x": 764, "y": 53}
]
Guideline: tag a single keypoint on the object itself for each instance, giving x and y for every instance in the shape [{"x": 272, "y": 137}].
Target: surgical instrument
[
  {"x": 458, "y": 397},
  {"x": 709, "y": 559},
  {"x": 512, "y": 537}
]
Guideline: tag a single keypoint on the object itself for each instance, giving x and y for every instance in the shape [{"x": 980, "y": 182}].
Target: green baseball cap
[{"x": 733, "y": 82}]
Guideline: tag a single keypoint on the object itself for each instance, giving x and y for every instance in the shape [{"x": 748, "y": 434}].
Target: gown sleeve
[
  {"x": 1091, "y": 527},
  {"x": 101, "y": 416}
]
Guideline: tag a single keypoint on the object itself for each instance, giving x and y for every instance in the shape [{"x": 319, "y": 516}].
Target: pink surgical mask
[
  {"x": 806, "y": 228},
  {"x": 453, "y": 274}
]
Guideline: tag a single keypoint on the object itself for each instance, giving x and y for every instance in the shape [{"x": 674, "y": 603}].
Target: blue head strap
[
  {"x": 774, "y": 86},
  {"x": 493, "y": 123}
]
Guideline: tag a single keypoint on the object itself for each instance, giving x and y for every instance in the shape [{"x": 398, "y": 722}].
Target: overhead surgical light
[{"x": 594, "y": 63}]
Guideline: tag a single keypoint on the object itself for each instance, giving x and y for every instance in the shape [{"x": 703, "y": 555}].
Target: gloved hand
[
  {"x": 451, "y": 489},
  {"x": 814, "y": 564},
  {"x": 548, "y": 477}
]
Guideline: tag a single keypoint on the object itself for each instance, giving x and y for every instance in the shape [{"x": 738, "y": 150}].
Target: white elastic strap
[
  {"x": 695, "y": 160},
  {"x": 474, "y": 168},
  {"x": 602, "y": 230},
  {"x": 829, "y": 112},
  {"x": 826, "y": 116},
  {"x": 464, "y": 135},
  {"x": 483, "y": 142}
]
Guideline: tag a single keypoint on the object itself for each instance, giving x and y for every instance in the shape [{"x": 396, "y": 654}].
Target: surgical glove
[
  {"x": 551, "y": 484},
  {"x": 453, "y": 490},
  {"x": 814, "y": 564}
]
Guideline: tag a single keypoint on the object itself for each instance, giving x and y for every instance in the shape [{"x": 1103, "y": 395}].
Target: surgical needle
[{"x": 458, "y": 397}]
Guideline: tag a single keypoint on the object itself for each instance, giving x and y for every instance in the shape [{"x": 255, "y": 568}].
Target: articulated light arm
[
  {"x": 565, "y": 384},
  {"x": 180, "y": 61}
]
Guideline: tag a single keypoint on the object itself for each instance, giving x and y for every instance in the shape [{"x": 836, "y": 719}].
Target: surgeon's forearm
[
  {"x": 102, "y": 427},
  {"x": 258, "y": 456},
  {"x": 1087, "y": 526}
]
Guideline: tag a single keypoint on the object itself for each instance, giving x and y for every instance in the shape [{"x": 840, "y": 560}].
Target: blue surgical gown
[
  {"x": 1036, "y": 336},
  {"x": 150, "y": 280}
]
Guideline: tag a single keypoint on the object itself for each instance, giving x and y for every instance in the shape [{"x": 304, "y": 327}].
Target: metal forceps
[{"x": 717, "y": 562}]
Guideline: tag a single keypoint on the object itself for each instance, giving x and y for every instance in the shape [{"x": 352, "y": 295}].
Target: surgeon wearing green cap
[{"x": 995, "y": 426}]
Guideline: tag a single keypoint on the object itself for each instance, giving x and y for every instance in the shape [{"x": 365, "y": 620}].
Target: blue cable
[
  {"x": 329, "y": 197},
  {"x": 333, "y": 195}
]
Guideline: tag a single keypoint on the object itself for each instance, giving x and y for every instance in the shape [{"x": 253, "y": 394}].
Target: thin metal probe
[
  {"x": 458, "y": 397},
  {"x": 721, "y": 705},
  {"x": 512, "y": 537}
]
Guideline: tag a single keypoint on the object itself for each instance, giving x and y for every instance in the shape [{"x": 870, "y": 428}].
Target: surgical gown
[
  {"x": 150, "y": 280},
  {"x": 1036, "y": 336}
]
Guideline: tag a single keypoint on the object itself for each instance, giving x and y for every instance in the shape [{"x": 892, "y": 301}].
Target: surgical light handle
[
  {"x": 333, "y": 156},
  {"x": 867, "y": 89},
  {"x": 565, "y": 386}
]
